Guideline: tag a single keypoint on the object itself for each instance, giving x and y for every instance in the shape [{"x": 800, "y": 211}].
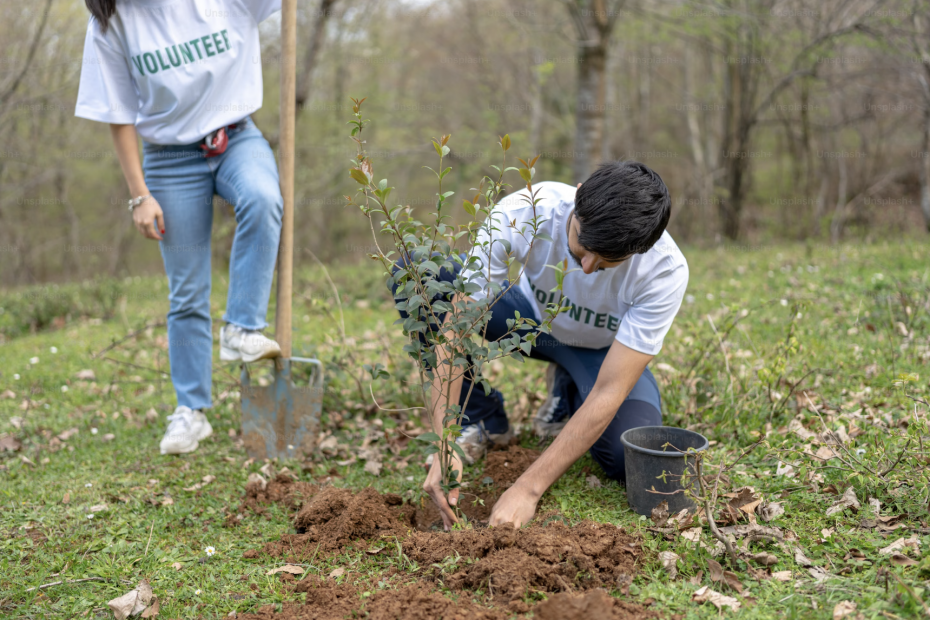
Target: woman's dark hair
[
  {"x": 622, "y": 209},
  {"x": 102, "y": 10}
]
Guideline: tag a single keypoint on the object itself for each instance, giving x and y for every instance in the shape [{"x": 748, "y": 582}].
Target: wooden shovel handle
[{"x": 286, "y": 173}]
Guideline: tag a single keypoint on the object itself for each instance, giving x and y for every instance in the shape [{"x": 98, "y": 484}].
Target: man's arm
[{"x": 619, "y": 373}]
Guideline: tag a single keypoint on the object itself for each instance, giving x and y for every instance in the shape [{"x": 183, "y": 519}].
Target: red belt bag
[{"x": 215, "y": 142}]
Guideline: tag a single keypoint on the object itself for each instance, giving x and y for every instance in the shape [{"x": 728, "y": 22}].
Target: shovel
[{"x": 282, "y": 419}]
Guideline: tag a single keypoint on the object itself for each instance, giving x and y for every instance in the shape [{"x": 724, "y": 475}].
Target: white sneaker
[
  {"x": 475, "y": 442},
  {"x": 247, "y": 345},
  {"x": 186, "y": 427}
]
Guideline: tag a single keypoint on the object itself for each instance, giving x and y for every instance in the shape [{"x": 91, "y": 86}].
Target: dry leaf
[
  {"x": 68, "y": 434},
  {"x": 765, "y": 559},
  {"x": 98, "y": 508},
  {"x": 153, "y": 609},
  {"x": 109, "y": 437},
  {"x": 8, "y": 394},
  {"x": 86, "y": 375},
  {"x": 339, "y": 572},
  {"x": 268, "y": 470},
  {"x": 899, "y": 544},
  {"x": 9, "y": 443},
  {"x": 177, "y": 566},
  {"x": 782, "y": 575},
  {"x": 288, "y": 568},
  {"x": 784, "y": 469},
  {"x": 848, "y": 500},
  {"x": 256, "y": 478},
  {"x": 797, "y": 427},
  {"x": 669, "y": 563},
  {"x": 843, "y": 609},
  {"x": 876, "y": 505},
  {"x": 375, "y": 550},
  {"x": 373, "y": 467},
  {"x": 67, "y": 498},
  {"x": 753, "y": 529},
  {"x": 825, "y": 453},
  {"x": 167, "y": 501},
  {"x": 660, "y": 514},
  {"x": 770, "y": 511},
  {"x": 801, "y": 559},
  {"x": 901, "y": 560},
  {"x": 593, "y": 482},
  {"x": 133, "y": 602},
  {"x": 818, "y": 573},
  {"x": 715, "y": 570},
  {"x": 706, "y": 595},
  {"x": 692, "y": 535}
]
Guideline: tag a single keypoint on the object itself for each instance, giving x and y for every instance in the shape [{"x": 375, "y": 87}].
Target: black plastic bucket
[{"x": 646, "y": 460}]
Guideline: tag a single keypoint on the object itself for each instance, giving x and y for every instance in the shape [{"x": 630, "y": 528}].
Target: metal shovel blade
[{"x": 282, "y": 420}]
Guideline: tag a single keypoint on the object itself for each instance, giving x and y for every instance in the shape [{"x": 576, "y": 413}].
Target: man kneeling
[{"x": 621, "y": 303}]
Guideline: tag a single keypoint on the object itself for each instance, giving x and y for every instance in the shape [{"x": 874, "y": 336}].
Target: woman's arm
[{"x": 149, "y": 212}]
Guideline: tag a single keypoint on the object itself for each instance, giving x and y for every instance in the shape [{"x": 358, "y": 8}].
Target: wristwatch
[{"x": 138, "y": 200}]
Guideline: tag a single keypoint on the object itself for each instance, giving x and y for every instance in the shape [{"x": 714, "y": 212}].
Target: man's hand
[
  {"x": 146, "y": 216},
  {"x": 433, "y": 486},
  {"x": 517, "y": 505}
]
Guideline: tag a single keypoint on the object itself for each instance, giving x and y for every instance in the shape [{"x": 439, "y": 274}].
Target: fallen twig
[{"x": 58, "y": 583}]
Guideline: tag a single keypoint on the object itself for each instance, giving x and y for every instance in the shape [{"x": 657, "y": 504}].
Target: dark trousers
[{"x": 576, "y": 372}]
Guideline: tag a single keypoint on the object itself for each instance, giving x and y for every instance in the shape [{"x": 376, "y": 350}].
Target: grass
[{"x": 859, "y": 315}]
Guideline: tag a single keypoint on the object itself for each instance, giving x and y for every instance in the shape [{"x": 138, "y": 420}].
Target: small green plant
[{"x": 444, "y": 326}]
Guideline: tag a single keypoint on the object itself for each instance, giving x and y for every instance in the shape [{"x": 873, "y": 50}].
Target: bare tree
[{"x": 594, "y": 22}]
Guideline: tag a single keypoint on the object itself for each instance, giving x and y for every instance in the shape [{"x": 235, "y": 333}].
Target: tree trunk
[
  {"x": 594, "y": 21},
  {"x": 924, "y": 166},
  {"x": 312, "y": 53},
  {"x": 590, "y": 113}
]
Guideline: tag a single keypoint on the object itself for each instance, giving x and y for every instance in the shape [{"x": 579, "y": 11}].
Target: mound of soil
[
  {"x": 335, "y": 517},
  {"x": 501, "y": 470},
  {"x": 329, "y": 601},
  {"x": 283, "y": 490},
  {"x": 541, "y": 558}
]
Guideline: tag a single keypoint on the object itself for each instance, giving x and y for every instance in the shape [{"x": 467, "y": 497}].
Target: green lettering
[
  {"x": 186, "y": 54},
  {"x": 216, "y": 40},
  {"x": 151, "y": 66},
  {"x": 137, "y": 61},
  {"x": 599, "y": 320},
  {"x": 176, "y": 61},
  {"x": 160, "y": 61},
  {"x": 587, "y": 315},
  {"x": 551, "y": 297},
  {"x": 223, "y": 32},
  {"x": 207, "y": 45},
  {"x": 613, "y": 323},
  {"x": 575, "y": 312},
  {"x": 196, "y": 44},
  {"x": 540, "y": 296}
]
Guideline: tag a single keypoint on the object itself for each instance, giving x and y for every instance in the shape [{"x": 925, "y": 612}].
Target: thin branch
[
  {"x": 58, "y": 583},
  {"x": 128, "y": 337}
]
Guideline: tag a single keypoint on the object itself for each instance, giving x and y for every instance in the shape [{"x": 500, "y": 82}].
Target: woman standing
[{"x": 185, "y": 75}]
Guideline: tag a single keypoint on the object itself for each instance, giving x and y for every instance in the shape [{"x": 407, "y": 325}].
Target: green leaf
[
  {"x": 469, "y": 207},
  {"x": 438, "y": 148},
  {"x": 359, "y": 176},
  {"x": 505, "y": 142},
  {"x": 526, "y": 175},
  {"x": 428, "y": 437}
]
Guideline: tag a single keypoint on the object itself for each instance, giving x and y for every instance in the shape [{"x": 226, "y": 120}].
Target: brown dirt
[
  {"x": 283, "y": 490},
  {"x": 501, "y": 566},
  {"x": 329, "y": 601},
  {"x": 501, "y": 470},
  {"x": 334, "y": 518},
  {"x": 541, "y": 558}
]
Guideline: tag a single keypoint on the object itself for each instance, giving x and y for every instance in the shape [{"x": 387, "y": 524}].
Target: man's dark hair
[
  {"x": 102, "y": 10},
  {"x": 622, "y": 209}
]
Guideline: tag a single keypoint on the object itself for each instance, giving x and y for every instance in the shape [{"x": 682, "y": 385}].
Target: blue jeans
[
  {"x": 183, "y": 182},
  {"x": 576, "y": 372}
]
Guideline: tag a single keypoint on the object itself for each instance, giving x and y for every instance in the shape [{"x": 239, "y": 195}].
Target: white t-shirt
[
  {"x": 176, "y": 69},
  {"x": 634, "y": 302}
]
